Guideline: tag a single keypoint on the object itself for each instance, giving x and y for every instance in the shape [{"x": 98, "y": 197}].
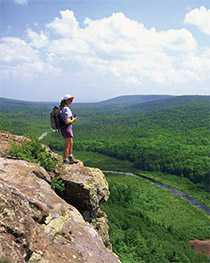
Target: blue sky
[{"x": 101, "y": 49}]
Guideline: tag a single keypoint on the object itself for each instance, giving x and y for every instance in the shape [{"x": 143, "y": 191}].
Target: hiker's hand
[
  {"x": 70, "y": 120},
  {"x": 73, "y": 119}
]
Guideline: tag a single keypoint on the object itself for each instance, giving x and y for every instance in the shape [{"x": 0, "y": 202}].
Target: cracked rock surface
[{"x": 36, "y": 225}]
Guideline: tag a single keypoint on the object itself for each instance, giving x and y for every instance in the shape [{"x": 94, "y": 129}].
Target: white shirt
[{"x": 66, "y": 113}]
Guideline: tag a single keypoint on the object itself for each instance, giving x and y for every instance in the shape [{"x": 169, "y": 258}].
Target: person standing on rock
[{"x": 67, "y": 131}]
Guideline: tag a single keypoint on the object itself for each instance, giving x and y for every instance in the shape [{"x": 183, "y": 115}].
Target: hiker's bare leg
[
  {"x": 71, "y": 146},
  {"x": 68, "y": 148}
]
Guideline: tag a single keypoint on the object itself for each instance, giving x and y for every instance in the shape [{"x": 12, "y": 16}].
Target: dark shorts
[{"x": 67, "y": 132}]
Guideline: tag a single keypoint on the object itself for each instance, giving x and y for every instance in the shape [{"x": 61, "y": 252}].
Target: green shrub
[
  {"x": 58, "y": 184},
  {"x": 34, "y": 151}
]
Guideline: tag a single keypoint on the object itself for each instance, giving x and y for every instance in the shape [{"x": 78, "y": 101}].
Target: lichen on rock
[
  {"x": 37, "y": 225},
  {"x": 87, "y": 188}
]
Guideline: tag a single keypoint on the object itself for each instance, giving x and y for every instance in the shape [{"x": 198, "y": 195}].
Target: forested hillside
[{"x": 169, "y": 134}]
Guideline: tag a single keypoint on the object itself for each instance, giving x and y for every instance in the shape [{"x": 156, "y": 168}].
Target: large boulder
[
  {"x": 39, "y": 226},
  {"x": 87, "y": 188}
]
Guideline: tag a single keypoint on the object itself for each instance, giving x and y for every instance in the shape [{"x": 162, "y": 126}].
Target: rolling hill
[{"x": 121, "y": 101}]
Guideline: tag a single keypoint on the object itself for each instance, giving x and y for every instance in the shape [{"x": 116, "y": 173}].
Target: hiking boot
[{"x": 72, "y": 160}]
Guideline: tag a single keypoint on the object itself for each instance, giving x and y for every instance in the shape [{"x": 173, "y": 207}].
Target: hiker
[{"x": 67, "y": 130}]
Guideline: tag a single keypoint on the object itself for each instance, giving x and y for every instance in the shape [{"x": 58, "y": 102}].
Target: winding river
[{"x": 172, "y": 190}]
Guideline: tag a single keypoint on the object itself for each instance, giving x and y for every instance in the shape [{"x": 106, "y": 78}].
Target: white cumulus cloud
[
  {"x": 199, "y": 17},
  {"x": 38, "y": 40},
  {"x": 19, "y": 60},
  {"x": 67, "y": 25},
  {"x": 123, "y": 47},
  {"x": 113, "y": 51}
]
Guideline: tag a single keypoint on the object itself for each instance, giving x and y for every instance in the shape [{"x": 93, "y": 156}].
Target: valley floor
[{"x": 149, "y": 224}]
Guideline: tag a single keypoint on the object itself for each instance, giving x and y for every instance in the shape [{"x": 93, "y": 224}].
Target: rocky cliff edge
[{"x": 39, "y": 225}]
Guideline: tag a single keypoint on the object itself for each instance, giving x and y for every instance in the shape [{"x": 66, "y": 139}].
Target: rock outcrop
[
  {"x": 86, "y": 188},
  {"x": 38, "y": 225}
]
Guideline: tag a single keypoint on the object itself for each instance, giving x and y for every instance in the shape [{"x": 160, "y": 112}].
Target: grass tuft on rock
[{"x": 34, "y": 151}]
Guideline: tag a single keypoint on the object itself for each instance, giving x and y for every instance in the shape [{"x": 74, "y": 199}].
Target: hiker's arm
[{"x": 70, "y": 120}]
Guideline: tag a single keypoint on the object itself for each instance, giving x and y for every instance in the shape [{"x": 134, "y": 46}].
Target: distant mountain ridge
[
  {"x": 171, "y": 102},
  {"x": 130, "y": 103},
  {"x": 118, "y": 99},
  {"x": 126, "y": 100},
  {"x": 133, "y": 99},
  {"x": 12, "y": 104}
]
